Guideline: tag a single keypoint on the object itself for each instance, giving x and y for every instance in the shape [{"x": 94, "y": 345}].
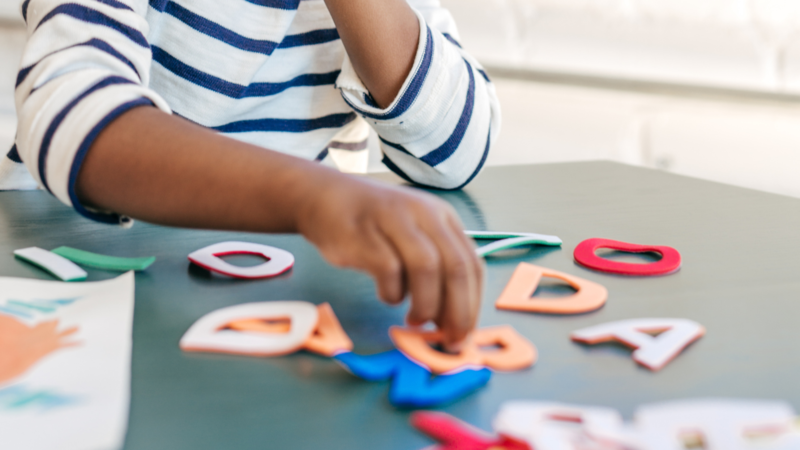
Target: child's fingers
[
  {"x": 385, "y": 265},
  {"x": 477, "y": 264},
  {"x": 422, "y": 268},
  {"x": 457, "y": 315},
  {"x": 368, "y": 250},
  {"x": 405, "y": 240}
]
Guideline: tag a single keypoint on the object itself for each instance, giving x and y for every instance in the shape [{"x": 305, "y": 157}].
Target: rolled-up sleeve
[
  {"x": 440, "y": 128},
  {"x": 85, "y": 63}
]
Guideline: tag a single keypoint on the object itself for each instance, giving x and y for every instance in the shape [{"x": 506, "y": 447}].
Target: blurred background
[{"x": 706, "y": 88}]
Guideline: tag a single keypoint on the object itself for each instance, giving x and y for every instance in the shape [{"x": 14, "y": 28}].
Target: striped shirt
[{"x": 273, "y": 73}]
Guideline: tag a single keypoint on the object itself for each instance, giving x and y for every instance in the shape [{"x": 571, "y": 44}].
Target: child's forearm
[
  {"x": 381, "y": 39},
  {"x": 163, "y": 169}
]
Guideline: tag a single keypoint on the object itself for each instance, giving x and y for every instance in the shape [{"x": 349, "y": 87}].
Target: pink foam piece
[
  {"x": 453, "y": 434},
  {"x": 585, "y": 255}
]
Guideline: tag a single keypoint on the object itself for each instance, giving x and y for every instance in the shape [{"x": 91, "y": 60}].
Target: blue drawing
[
  {"x": 27, "y": 308},
  {"x": 413, "y": 386},
  {"x": 16, "y": 311},
  {"x": 19, "y": 397}
]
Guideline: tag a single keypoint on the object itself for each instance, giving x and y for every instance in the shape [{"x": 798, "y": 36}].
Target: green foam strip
[
  {"x": 506, "y": 244},
  {"x": 491, "y": 235},
  {"x": 104, "y": 262},
  {"x": 494, "y": 235}
]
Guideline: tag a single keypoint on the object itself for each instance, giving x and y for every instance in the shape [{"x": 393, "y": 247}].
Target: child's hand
[{"x": 409, "y": 241}]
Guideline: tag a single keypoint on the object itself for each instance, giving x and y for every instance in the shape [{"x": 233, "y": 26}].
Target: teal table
[{"x": 739, "y": 279}]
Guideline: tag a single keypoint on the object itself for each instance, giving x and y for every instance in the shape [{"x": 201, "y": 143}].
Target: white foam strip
[{"x": 49, "y": 261}]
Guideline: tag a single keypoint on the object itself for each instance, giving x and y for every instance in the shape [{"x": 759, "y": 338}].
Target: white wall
[
  {"x": 738, "y": 44},
  {"x": 715, "y": 92},
  {"x": 746, "y": 142},
  {"x": 10, "y": 11},
  {"x": 12, "y": 38}
]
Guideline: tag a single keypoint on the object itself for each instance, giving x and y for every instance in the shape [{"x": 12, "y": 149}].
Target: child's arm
[
  {"x": 434, "y": 108},
  {"x": 86, "y": 136},
  {"x": 381, "y": 38},
  {"x": 163, "y": 169}
]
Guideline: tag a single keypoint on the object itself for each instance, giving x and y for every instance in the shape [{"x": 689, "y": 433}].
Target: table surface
[{"x": 739, "y": 279}]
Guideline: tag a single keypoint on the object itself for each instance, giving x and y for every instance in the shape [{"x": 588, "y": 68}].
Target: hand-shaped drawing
[{"x": 22, "y": 346}]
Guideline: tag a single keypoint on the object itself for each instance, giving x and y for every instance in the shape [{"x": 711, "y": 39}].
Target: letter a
[
  {"x": 653, "y": 352},
  {"x": 329, "y": 338}
]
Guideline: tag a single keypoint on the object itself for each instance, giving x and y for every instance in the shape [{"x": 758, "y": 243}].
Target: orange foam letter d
[{"x": 517, "y": 295}]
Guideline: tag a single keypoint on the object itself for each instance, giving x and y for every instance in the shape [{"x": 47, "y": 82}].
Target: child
[{"x": 209, "y": 113}]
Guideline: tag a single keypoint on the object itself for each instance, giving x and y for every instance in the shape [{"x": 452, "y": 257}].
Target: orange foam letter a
[{"x": 329, "y": 338}]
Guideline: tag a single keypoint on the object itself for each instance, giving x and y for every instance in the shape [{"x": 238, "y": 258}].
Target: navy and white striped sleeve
[
  {"x": 440, "y": 128},
  {"x": 85, "y": 63}
]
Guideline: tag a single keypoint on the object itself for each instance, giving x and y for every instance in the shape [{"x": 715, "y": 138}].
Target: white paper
[{"x": 76, "y": 397}]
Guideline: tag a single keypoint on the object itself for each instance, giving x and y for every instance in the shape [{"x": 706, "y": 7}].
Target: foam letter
[
  {"x": 653, "y": 352},
  {"x": 518, "y": 292},
  {"x": 278, "y": 261},
  {"x": 52, "y": 263},
  {"x": 510, "y": 240},
  {"x": 514, "y": 353},
  {"x": 556, "y": 426},
  {"x": 585, "y": 255},
  {"x": 716, "y": 424},
  {"x": 209, "y": 334},
  {"x": 329, "y": 338},
  {"x": 412, "y": 385},
  {"x": 453, "y": 434}
]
